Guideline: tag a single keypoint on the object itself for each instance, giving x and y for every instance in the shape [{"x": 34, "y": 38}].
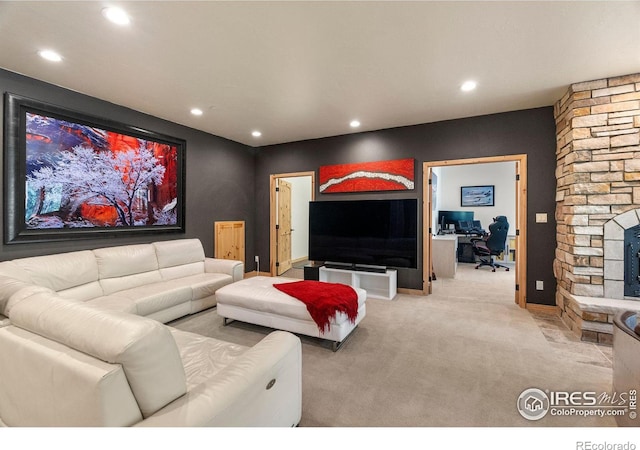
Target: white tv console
[{"x": 377, "y": 284}]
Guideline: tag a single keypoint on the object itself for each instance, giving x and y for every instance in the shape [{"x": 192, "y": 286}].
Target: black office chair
[{"x": 494, "y": 244}]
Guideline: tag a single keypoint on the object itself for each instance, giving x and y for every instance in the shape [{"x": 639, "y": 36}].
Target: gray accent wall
[
  {"x": 217, "y": 185},
  {"x": 530, "y": 132}
]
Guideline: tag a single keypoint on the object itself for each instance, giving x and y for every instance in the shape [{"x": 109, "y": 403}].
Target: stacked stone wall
[{"x": 598, "y": 178}]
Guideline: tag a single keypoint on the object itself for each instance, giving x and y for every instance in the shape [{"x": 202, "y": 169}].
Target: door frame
[
  {"x": 520, "y": 226},
  {"x": 273, "y": 179}
]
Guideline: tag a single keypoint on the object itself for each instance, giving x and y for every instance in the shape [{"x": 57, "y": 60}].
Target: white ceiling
[{"x": 301, "y": 70}]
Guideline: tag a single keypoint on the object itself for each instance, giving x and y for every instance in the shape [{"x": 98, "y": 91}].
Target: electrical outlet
[
  {"x": 257, "y": 259},
  {"x": 539, "y": 285}
]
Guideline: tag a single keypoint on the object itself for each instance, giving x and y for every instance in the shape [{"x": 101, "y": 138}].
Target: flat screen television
[{"x": 364, "y": 233}]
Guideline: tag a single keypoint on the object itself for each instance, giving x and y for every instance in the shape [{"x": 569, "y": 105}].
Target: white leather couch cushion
[
  {"x": 114, "y": 303},
  {"x": 145, "y": 348},
  {"x": 117, "y": 284},
  {"x": 178, "y": 252},
  {"x": 186, "y": 270},
  {"x": 61, "y": 271},
  {"x": 54, "y": 385},
  {"x": 203, "y": 357},
  {"x": 204, "y": 284},
  {"x": 125, "y": 260},
  {"x": 180, "y": 258},
  {"x": 238, "y": 394},
  {"x": 155, "y": 297},
  {"x": 12, "y": 270}
]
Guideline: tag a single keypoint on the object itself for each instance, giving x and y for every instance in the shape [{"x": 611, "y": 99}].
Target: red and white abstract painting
[{"x": 395, "y": 175}]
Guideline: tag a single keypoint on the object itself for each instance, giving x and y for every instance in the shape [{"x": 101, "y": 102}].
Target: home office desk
[
  {"x": 445, "y": 255},
  {"x": 465, "y": 248}
]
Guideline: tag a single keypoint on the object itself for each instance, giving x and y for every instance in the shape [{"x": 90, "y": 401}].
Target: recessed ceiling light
[
  {"x": 50, "y": 55},
  {"x": 196, "y": 111},
  {"x": 468, "y": 86},
  {"x": 256, "y": 133},
  {"x": 354, "y": 124},
  {"x": 116, "y": 15}
]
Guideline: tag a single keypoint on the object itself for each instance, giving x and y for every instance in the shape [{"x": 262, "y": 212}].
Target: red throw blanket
[{"x": 323, "y": 300}]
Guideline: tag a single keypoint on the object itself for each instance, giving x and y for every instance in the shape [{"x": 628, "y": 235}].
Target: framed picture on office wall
[
  {"x": 477, "y": 195},
  {"x": 70, "y": 175}
]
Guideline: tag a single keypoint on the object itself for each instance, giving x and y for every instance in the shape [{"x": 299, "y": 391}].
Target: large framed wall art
[
  {"x": 395, "y": 175},
  {"x": 71, "y": 175}
]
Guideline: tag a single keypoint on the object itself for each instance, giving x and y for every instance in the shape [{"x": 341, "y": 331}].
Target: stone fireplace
[{"x": 597, "y": 202}]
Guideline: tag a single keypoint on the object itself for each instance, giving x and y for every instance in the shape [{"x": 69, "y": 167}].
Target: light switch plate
[
  {"x": 539, "y": 285},
  {"x": 541, "y": 217}
]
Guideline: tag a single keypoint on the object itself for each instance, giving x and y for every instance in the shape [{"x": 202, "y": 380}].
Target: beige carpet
[{"x": 459, "y": 357}]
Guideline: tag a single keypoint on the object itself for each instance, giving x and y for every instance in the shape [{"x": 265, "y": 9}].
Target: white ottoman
[{"x": 255, "y": 300}]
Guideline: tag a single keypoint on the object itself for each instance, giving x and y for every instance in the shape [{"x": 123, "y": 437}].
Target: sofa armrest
[
  {"x": 4, "y": 321},
  {"x": 228, "y": 266},
  {"x": 244, "y": 393}
]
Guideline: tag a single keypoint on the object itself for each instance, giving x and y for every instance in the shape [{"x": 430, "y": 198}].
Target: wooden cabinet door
[{"x": 229, "y": 240}]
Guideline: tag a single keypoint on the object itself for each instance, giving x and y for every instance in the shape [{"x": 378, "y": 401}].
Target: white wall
[
  {"x": 501, "y": 175},
  {"x": 437, "y": 174},
  {"x": 300, "y": 197}
]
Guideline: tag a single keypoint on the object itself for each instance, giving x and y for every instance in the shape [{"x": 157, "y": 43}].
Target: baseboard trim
[
  {"x": 256, "y": 274},
  {"x": 543, "y": 309}
]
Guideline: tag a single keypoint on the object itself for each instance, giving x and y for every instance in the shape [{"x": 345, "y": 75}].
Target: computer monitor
[
  {"x": 446, "y": 218},
  {"x": 464, "y": 226}
]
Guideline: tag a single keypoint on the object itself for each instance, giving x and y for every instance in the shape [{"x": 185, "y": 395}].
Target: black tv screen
[{"x": 365, "y": 232}]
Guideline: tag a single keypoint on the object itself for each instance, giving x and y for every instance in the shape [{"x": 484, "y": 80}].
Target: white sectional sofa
[
  {"x": 162, "y": 280},
  {"x": 66, "y": 363},
  {"x": 75, "y": 349}
]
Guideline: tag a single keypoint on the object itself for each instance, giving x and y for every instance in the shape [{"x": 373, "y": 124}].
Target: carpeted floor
[{"x": 459, "y": 357}]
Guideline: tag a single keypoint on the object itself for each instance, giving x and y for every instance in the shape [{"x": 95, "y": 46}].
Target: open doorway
[
  {"x": 516, "y": 209},
  {"x": 290, "y": 194}
]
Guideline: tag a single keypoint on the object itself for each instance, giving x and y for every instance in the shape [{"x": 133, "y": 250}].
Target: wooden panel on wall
[{"x": 229, "y": 240}]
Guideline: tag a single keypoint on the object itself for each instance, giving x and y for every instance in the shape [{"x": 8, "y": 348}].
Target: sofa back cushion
[
  {"x": 113, "y": 285},
  {"x": 179, "y": 258},
  {"x": 12, "y": 270},
  {"x": 145, "y": 348},
  {"x": 126, "y": 267},
  {"x": 61, "y": 271}
]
